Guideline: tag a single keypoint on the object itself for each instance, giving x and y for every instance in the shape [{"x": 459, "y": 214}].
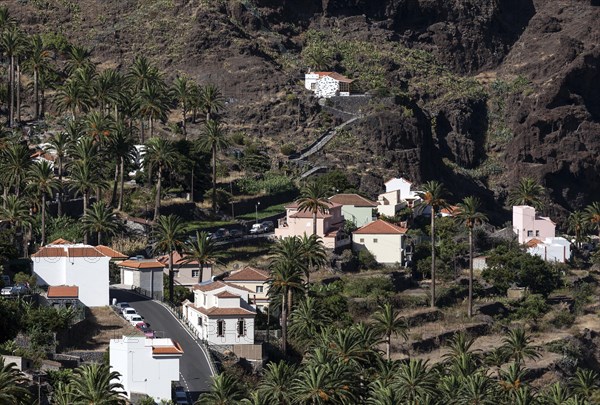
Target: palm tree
[
  {"x": 153, "y": 104},
  {"x": 100, "y": 219},
  {"x": 388, "y": 322},
  {"x": 584, "y": 383},
  {"x": 13, "y": 384},
  {"x": 210, "y": 101},
  {"x": 314, "y": 254},
  {"x": 73, "y": 96},
  {"x": 213, "y": 140},
  {"x": 415, "y": 380},
  {"x": 78, "y": 57},
  {"x": 38, "y": 60},
  {"x": 42, "y": 181},
  {"x": 276, "y": 384},
  {"x": 142, "y": 74},
  {"x": 225, "y": 390},
  {"x": 202, "y": 250},
  {"x": 527, "y": 192},
  {"x": 160, "y": 155},
  {"x": 15, "y": 211},
  {"x": 99, "y": 126},
  {"x": 289, "y": 253},
  {"x": 63, "y": 394},
  {"x": 83, "y": 180},
  {"x": 578, "y": 225},
  {"x": 12, "y": 42},
  {"x": 324, "y": 384},
  {"x": 592, "y": 214},
  {"x": 59, "y": 144},
  {"x": 516, "y": 345},
  {"x": 122, "y": 146},
  {"x": 168, "y": 232},
  {"x": 108, "y": 90},
  {"x": 92, "y": 384},
  {"x": 182, "y": 93},
  {"x": 307, "y": 320},
  {"x": 556, "y": 394},
  {"x": 433, "y": 197},
  {"x": 14, "y": 163},
  {"x": 313, "y": 199},
  {"x": 459, "y": 345},
  {"x": 283, "y": 280},
  {"x": 477, "y": 388},
  {"x": 469, "y": 215}
]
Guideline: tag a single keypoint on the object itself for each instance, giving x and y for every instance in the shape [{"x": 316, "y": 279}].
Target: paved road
[{"x": 194, "y": 367}]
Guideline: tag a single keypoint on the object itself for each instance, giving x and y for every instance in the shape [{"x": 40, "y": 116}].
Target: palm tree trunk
[
  {"x": 60, "y": 190},
  {"x": 214, "y": 179},
  {"x": 314, "y": 222},
  {"x": 470, "y": 312},
  {"x": 183, "y": 124},
  {"x": 151, "y": 125},
  {"x": 171, "y": 278},
  {"x": 284, "y": 322},
  {"x": 388, "y": 344},
  {"x": 99, "y": 238},
  {"x": 85, "y": 203},
  {"x": 142, "y": 132},
  {"x": 42, "y": 102},
  {"x": 43, "y": 219},
  {"x": 289, "y": 301},
  {"x": 122, "y": 181},
  {"x": 113, "y": 197},
  {"x": 18, "y": 91},
  {"x": 11, "y": 84},
  {"x": 432, "y": 257},
  {"x": 36, "y": 94},
  {"x": 157, "y": 200}
]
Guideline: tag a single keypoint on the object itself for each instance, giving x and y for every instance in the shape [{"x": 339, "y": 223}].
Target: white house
[
  {"x": 221, "y": 313},
  {"x": 327, "y": 84},
  {"x": 187, "y": 274},
  {"x": 147, "y": 366},
  {"x": 398, "y": 194},
  {"x": 253, "y": 279},
  {"x": 385, "y": 241},
  {"x": 144, "y": 274},
  {"x": 528, "y": 225},
  {"x": 550, "y": 249},
  {"x": 63, "y": 263}
]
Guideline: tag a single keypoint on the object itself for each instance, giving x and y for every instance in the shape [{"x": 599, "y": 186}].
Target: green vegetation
[
  {"x": 269, "y": 183},
  {"x": 264, "y": 213}
]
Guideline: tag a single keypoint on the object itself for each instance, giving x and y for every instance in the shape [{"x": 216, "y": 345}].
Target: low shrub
[
  {"x": 288, "y": 149},
  {"x": 376, "y": 287},
  {"x": 367, "y": 260}
]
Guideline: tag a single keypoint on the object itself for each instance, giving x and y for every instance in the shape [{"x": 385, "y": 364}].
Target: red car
[{"x": 149, "y": 333}]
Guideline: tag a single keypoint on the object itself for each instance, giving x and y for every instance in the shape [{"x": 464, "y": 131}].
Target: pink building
[
  {"x": 330, "y": 225},
  {"x": 528, "y": 225}
]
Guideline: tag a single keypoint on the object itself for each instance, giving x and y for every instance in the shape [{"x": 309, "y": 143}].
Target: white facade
[
  {"x": 398, "y": 194},
  {"x": 551, "y": 249},
  {"x": 528, "y": 225},
  {"x": 310, "y": 81},
  {"x": 76, "y": 265},
  {"x": 327, "y": 84},
  {"x": 147, "y": 366},
  {"x": 385, "y": 241},
  {"x": 144, "y": 274},
  {"x": 221, "y": 313}
]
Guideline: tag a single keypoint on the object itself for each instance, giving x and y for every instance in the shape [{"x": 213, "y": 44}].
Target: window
[
  {"x": 195, "y": 273},
  {"x": 241, "y": 327},
  {"x": 204, "y": 295},
  {"x": 220, "y": 328},
  {"x": 537, "y": 233},
  {"x": 259, "y": 288},
  {"x": 313, "y": 86},
  {"x": 199, "y": 321},
  {"x": 374, "y": 240},
  {"x": 529, "y": 234},
  {"x": 362, "y": 240}
]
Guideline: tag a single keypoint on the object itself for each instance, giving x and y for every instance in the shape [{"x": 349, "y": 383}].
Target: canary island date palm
[
  {"x": 213, "y": 140},
  {"x": 314, "y": 254},
  {"x": 433, "y": 196},
  {"x": 15, "y": 161},
  {"x": 578, "y": 225},
  {"x": 38, "y": 61},
  {"x": 203, "y": 250},
  {"x": 210, "y": 101},
  {"x": 160, "y": 156},
  {"x": 585, "y": 383},
  {"x": 225, "y": 390},
  {"x": 121, "y": 146},
  {"x": 41, "y": 182},
  {"x": 527, "y": 192},
  {"x": 592, "y": 214},
  {"x": 182, "y": 93},
  {"x": 13, "y": 385},
  {"x": 101, "y": 220},
  {"x": 307, "y": 320},
  {"x": 59, "y": 144},
  {"x": 74, "y": 97},
  {"x": 388, "y": 323},
  {"x": 94, "y": 384},
  {"x": 152, "y": 104},
  {"x": 517, "y": 346},
  {"x": 168, "y": 231},
  {"x": 313, "y": 199},
  {"x": 12, "y": 42},
  {"x": 469, "y": 215},
  {"x": 276, "y": 384}
]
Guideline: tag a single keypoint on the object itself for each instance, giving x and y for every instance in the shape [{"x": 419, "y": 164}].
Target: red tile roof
[
  {"x": 533, "y": 242},
  {"x": 175, "y": 349},
  {"x": 215, "y": 311},
  {"x": 142, "y": 264},
  {"x": 50, "y": 252},
  {"x": 452, "y": 210},
  {"x": 226, "y": 294},
  {"x": 110, "y": 252},
  {"x": 60, "y": 241},
  {"x": 68, "y": 251},
  {"x": 336, "y": 76},
  {"x": 352, "y": 199},
  {"x": 248, "y": 273},
  {"x": 214, "y": 285},
  {"x": 380, "y": 227},
  {"x": 63, "y": 291}
]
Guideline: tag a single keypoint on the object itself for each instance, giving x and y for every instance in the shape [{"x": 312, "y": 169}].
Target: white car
[
  {"x": 129, "y": 312},
  {"x": 135, "y": 319}
]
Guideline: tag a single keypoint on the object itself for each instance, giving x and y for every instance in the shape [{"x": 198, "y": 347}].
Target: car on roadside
[
  {"x": 128, "y": 312},
  {"x": 258, "y": 229},
  {"x": 220, "y": 234},
  {"x": 7, "y": 290},
  {"x": 21, "y": 289},
  {"x": 143, "y": 327},
  {"x": 135, "y": 319},
  {"x": 181, "y": 397},
  {"x": 268, "y": 225},
  {"x": 120, "y": 306},
  {"x": 236, "y": 233}
]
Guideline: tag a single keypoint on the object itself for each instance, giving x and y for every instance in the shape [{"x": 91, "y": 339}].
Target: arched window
[{"x": 241, "y": 327}]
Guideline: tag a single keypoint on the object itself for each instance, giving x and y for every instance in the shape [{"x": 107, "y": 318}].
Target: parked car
[
  {"x": 21, "y": 289},
  {"x": 236, "y": 233},
  {"x": 257, "y": 228},
  {"x": 181, "y": 397},
  {"x": 120, "y": 306},
  {"x": 128, "y": 312},
  {"x": 7, "y": 290},
  {"x": 143, "y": 326},
  {"x": 135, "y": 319},
  {"x": 221, "y": 233},
  {"x": 269, "y": 226}
]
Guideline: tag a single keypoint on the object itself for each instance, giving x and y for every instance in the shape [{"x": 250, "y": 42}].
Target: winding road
[{"x": 194, "y": 367}]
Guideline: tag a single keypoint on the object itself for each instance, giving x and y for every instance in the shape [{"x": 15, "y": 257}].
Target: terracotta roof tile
[
  {"x": 215, "y": 311},
  {"x": 165, "y": 350},
  {"x": 534, "y": 242},
  {"x": 352, "y": 199},
  {"x": 63, "y": 291},
  {"x": 141, "y": 264},
  {"x": 380, "y": 227},
  {"x": 248, "y": 273},
  {"x": 50, "y": 252},
  {"x": 60, "y": 241},
  {"x": 214, "y": 285},
  {"x": 110, "y": 252},
  {"x": 227, "y": 294},
  {"x": 85, "y": 251}
]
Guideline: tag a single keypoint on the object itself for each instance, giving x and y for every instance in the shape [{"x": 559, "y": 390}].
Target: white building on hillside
[
  {"x": 550, "y": 249},
  {"x": 385, "y": 241},
  {"x": 63, "y": 263},
  {"x": 398, "y": 194},
  {"x": 147, "y": 366},
  {"x": 221, "y": 313},
  {"x": 146, "y": 274},
  {"x": 527, "y": 224},
  {"x": 327, "y": 84},
  {"x": 253, "y": 279}
]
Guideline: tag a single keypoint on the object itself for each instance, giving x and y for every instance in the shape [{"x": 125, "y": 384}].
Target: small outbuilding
[{"x": 145, "y": 275}]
